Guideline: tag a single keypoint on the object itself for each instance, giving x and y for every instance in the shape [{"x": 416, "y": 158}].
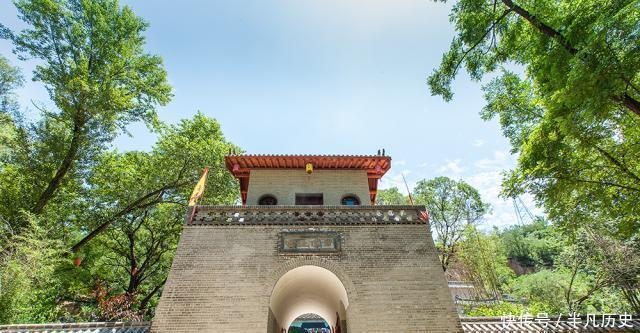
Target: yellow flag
[{"x": 199, "y": 189}]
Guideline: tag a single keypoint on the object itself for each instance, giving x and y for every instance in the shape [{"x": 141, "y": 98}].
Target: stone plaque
[{"x": 310, "y": 242}]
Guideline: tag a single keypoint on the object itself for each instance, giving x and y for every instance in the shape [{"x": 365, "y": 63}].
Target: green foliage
[
  {"x": 532, "y": 245},
  {"x": 140, "y": 231},
  {"x": 485, "y": 261},
  {"x": 10, "y": 79},
  {"x": 452, "y": 205},
  {"x": 582, "y": 56},
  {"x": 543, "y": 290},
  {"x": 608, "y": 261},
  {"x": 193, "y": 144},
  {"x": 573, "y": 119},
  {"x": 121, "y": 213},
  {"x": 563, "y": 291},
  {"x": 138, "y": 202},
  {"x": 96, "y": 72},
  {"x": 94, "y": 65},
  {"x": 391, "y": 196},
  {"x": 496, "y": 309},
  {"x": 589, "y": 272},
  {"x": 31, "y": 273}
]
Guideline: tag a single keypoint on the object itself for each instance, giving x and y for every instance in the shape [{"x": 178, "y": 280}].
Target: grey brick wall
[{"x": 222, "y": 277}]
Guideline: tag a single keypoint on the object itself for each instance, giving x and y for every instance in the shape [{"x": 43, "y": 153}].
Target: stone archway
[{"x": 308, "y": 289}]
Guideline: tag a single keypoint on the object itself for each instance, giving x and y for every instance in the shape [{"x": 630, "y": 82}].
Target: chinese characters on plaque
[{"x": 309, "y": 242}]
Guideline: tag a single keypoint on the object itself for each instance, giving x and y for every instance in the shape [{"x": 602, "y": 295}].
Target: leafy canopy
[
  {"x": 96, "y": 72},
  {"x": 581, "y": 55},
  {"x": 453, "y": 206},
  {"x": 391, "y": 196},
  {"x": 94, "y": 65},
  {"x": 573, "y": 116}
]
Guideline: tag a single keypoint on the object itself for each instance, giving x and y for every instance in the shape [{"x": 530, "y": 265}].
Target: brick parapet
[{"x": 306, "y": 215}]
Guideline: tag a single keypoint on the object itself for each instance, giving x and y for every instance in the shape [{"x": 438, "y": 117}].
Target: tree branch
[
  {"x": 139, "y": 203},
  {"x": 627, "y": 100}
]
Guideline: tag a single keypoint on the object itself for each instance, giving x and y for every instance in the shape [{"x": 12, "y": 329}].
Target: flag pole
[
  {"x": 407, "y": 186},
  {"x": 424, "y": 215}
]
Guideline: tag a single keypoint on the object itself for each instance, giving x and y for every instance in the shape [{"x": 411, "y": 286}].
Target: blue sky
[{"x": 326, "y": 77}]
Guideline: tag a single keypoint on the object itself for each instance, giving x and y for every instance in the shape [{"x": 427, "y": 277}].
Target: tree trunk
[
  {"x": 145, "y": 301},
  {"x": 631, "y": 104},
  {"x": 133, "y": 265},
  {"x": 67, "y": 163},
  {"x": 544, "y": 28}
]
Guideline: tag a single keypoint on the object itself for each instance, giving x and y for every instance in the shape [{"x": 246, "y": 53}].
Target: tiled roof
[
  {"x": 358, "y": 162},
  {"x": 95, "y": 327}
]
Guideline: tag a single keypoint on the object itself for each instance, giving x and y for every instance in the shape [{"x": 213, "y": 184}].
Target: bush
[{"x": 495, "y": 310}]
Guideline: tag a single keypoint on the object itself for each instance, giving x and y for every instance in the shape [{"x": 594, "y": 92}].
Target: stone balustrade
[{"x": 305, "y": 215}]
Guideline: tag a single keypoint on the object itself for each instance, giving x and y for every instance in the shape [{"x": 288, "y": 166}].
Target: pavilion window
[
  {"x": 309, "y": 199},
  {"x": 267, "y": 200},
  {"x": 350, "y": 200}
]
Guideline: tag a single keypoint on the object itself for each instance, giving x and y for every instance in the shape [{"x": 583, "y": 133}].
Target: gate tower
[{"x": 307, "y": 239}]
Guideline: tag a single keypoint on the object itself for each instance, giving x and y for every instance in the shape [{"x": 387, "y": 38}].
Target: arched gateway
[
  {"x": 308, "y": 289},
  {"x": 305, "y": 244}
]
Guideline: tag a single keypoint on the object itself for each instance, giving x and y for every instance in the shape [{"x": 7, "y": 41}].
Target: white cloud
[
  {"x": 488, "y": 184},
  {"x": 488, "y": 181},
  {"x": 500, "y": 160},
  {"x": 484, "y": 174},
  {"x": 395, "y": 180},
  {"x": 478, "y": 143},
  {"x": 451, "y": 168}
]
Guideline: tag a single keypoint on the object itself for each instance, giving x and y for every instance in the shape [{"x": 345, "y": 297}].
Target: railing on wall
[{"x": 266, "y": 215}]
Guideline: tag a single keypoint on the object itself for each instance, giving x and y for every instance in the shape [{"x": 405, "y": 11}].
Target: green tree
[
  {"x": 542, "y": 291},
  {"x": 572, "y": 116},
  {"x": 485, "y": 261},
  {"x": 586, "y": 179},
  {"x": 96, "y": 72},
  {"x": 581, "y": 56},
  {"x": 608, "y": 261},
  {"x": 579, "y": 169},
  {"x": 137, "y": 253},
  {"x": 137, "y": 203},
  {"x": 533, "y": 245},
  {"x": 166, "y": 175},
  {"x": 391, "y": 196},
  {"x": 10, "y": 79},
  {"x": 31, "y": 275},
  {"x": 453, "y": 206},
  {"x": 92, "y": 62},
  {"x": 137, "y": 230}
]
